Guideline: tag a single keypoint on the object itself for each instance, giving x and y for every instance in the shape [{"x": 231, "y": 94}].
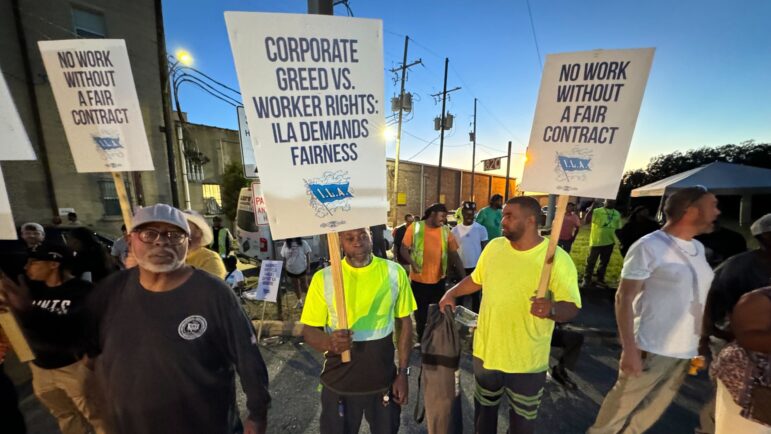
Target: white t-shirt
[
  {"x": 470, "y": 242},
  {"x": 669, "y": 309},
  {"x": 233, "y": 278},
  {"x": 296, "y": 261}
]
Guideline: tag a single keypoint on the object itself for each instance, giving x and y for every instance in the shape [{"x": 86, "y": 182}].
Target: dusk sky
[{"x": 709, "y": 85}]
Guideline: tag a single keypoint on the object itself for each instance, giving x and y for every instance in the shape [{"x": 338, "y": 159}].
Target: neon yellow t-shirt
[
  {"x": 509, "y": 338},
  {"x": 374, "y": 296},
  {"x": 605, "y": 222}
]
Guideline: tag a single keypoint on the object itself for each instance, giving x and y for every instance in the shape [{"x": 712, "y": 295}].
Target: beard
[
  {"x": 516, "y": 234},
  {"x": 175, "y": 263}
]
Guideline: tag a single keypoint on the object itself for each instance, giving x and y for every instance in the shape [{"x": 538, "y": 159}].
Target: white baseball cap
[{"x": 761, "y": 225}]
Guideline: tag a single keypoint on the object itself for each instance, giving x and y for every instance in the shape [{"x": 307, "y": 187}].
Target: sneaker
[{"x": 560, "y": 375}]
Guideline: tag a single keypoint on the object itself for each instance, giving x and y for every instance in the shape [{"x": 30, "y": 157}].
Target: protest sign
[
  {"x": 267, "y": 285},
  {"x": 586, "y": 114},
  {"x": 583, "y": 125},
  {"x": 312, "y": 88},
  {"x": 94, "y": 90},
  {"x": 15, "y": 144},
  {"x": 7, "y": 227},
  {"x": 247, "y": 149}
]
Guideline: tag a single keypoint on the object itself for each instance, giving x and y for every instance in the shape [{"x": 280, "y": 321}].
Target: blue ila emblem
[
  {"x": 329, "y": 193},
  {"x": 573, "y": 166},
  {"x": 110, "y": 149}
]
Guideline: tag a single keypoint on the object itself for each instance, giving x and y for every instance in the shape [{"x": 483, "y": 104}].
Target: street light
[{"x": 184, "y": 57}]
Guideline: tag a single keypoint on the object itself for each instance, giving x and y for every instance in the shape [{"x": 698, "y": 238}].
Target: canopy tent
[{"x": 719, "y": 178}]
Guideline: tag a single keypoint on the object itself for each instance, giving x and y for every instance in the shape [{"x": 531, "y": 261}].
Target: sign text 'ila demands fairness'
[
  {"x": 587, "y": 110},
  {"x": 313, "y": 95},
  {"x": 94, "y": 90}
]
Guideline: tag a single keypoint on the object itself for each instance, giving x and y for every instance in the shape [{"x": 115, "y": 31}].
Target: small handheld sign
[{"x": 584, "y": 121}]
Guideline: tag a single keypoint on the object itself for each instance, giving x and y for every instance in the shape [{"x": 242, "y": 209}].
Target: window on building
[
  {"x": 88, "y": 24},
  {"x": 212, "y": 191},
  {"x": 110, "y": 199}
]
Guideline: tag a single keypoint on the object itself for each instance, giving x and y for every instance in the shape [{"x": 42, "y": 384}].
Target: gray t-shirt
[{"x": 166, "y": 359}]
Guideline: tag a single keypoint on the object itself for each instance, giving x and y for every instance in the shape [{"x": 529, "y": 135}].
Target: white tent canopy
[{"x": 719, "y": 178}]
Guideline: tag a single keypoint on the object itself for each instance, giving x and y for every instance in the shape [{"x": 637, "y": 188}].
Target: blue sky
[{"x": 710, "y": 83}]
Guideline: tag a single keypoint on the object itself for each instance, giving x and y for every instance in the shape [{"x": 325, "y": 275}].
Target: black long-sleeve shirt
[{"x": 166, "y": 359}]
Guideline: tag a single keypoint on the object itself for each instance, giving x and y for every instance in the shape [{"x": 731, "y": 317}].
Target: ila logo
[{"x": 192, "y": 327}]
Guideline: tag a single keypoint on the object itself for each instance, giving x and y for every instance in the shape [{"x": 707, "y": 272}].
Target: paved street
[{"x": 294, "y": 369}]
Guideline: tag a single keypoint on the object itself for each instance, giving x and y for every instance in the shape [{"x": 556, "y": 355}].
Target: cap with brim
[
  {"x": 197, "y": 219},
  {"x": 38, "y": 227},
  {"x": 50, "y": 252},
  {"x": 160, "y": 213},
  {"x": 761, "y": 225}
]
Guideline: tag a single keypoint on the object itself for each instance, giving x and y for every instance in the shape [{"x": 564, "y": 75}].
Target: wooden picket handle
[
  {"x": 556, "y": 228},
  {"x": 125, "y": 206},
  {"x": 337, "y": 279},
  {"x": 10, "y": 327}
]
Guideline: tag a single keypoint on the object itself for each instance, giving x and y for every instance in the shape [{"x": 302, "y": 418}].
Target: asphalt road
[{"x": 294, "y": 368}]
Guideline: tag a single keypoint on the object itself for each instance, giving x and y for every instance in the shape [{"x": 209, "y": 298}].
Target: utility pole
[
  {"x": 168, "y": 122},
  {"x": 403, "y": 70},
  {"x": 473, "y": 151},
  {"x": 508, "y": 166},
  {"x": 442, "y": 121}
]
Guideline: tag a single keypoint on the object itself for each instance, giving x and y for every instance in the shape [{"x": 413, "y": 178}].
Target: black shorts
[{"x": 297, "y": 276}]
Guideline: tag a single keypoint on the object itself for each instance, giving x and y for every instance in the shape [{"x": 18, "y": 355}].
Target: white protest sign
[
  {"x": 267, "y": 285},
  {"x": 247, "y": 150},
  {"x": 7, "y": 227},
  {"x": 94, "y": 91},
  {"x": 15, "y": 143},
  {"x": 586, "y": 114},
  {"x": 312, "y": 88},
  {"x": 258, "y": 201}
]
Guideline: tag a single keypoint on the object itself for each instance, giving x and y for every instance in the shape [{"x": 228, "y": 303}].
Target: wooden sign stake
[
  {"x": 337, "y": 278},
  {"x": 10, "y": 327},
  {"x": 556, "y": 228},
  {"x": 125, "y": 206}
]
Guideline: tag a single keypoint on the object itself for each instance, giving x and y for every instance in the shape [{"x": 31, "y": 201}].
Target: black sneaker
[{"x": 560, "y": 375}]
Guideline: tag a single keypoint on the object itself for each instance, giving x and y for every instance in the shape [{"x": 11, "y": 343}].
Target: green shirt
[
  {"x": 491, "y": 219},
  {"x": 604, "y": 224},
  {"x": 508, "y": 337}
]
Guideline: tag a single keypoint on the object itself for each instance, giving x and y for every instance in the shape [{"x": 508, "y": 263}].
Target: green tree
[{"x": 233, "y": 181}]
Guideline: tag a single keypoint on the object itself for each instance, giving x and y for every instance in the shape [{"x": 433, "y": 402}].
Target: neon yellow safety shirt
[
  {"x": 374, "y": 296},
  {"x": 509, "y": 338}
]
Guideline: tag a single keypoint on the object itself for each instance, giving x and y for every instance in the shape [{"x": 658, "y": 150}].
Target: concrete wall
[{"x": 26, "y": 181}]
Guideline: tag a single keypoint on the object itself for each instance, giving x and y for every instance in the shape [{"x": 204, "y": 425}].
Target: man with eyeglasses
[
  {"x": 605, "y": 221},
  {"x": 169, "y": 337},
  {"x": 659, "y": 309}
]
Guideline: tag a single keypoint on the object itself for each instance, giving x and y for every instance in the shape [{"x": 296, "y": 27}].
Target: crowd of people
[{"x": 141, "y": 339}]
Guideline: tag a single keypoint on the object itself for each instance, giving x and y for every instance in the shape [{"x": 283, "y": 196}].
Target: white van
[{"x": 253, "y": 232}]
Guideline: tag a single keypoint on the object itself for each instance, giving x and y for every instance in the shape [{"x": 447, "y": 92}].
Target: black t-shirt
[
  {"x": 735, "y": 277},
  {"x": 166, "y": 359},
  {"x": 55, "y": 325}
]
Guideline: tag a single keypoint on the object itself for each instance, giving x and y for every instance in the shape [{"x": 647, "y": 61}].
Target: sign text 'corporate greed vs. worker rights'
[
  {"x": 586, "y": 115},
  {"x": 94, "y": 90},
  {"x": 313, "y": 94}
]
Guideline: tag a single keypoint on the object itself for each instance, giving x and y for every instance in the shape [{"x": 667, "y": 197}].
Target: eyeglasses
[{"x": 175, "y": 238}]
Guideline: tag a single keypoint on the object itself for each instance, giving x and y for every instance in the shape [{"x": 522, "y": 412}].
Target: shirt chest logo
[{"x": 192, "y": 327}]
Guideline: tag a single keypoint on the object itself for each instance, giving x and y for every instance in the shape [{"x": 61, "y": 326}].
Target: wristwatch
[
  {"x": 553, "y": 312},
  {"x": 405, "y": 371}
]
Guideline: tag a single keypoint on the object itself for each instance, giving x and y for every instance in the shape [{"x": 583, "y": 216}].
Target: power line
[{"x": 535, "y": 39}]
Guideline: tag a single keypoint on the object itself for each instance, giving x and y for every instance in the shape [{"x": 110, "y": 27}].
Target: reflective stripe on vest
[
  {"x": 418, "y": 244},
  {"x": 361, "y": 335},
  {"x": 222, "y": 242}
]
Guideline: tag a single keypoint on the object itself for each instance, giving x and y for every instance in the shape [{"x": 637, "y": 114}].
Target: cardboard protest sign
[
  {"x": 586, "y": 114},
  {"x": 7, "y": 227},
  {"x": 268, "y": 283},
  {"x": 94, "y": 90},
  {"x": 247, "y": 151},
  {"x": 15, "y": 143},
  {"x": 312, "y": 88}
]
